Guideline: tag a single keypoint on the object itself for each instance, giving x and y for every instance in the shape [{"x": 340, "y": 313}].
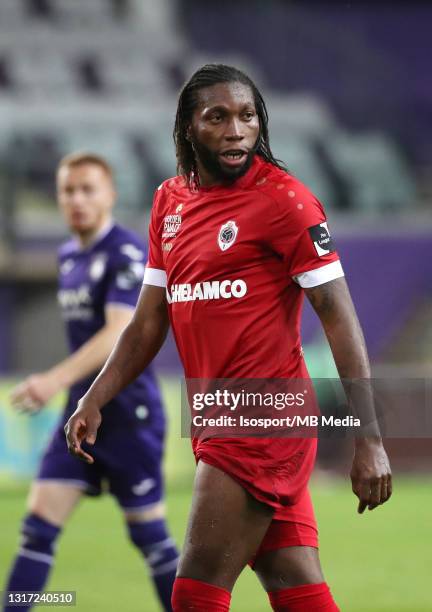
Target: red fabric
[
  {"x": 282, "y": 534},
  {"x": 304, "y": 598},
  {"x": 197, "y": 596},
  {"x": 232, "y": 255},
  {"x": 275, "y": 471},
  {"x": 235, "y": 308}
]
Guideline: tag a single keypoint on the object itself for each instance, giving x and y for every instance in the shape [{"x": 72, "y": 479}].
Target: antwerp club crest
[{"x": 227, "y": 235}]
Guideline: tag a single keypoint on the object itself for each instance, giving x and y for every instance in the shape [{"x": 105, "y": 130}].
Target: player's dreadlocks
[{"x": 208, "y": 75}]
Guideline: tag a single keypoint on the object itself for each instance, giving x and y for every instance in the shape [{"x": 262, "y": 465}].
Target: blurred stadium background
[{"x": 349, "y": 95}]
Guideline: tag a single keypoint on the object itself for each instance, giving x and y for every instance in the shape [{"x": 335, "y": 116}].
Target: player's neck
[
  {"x": 206, "y": 179},
  {"x": 87, "y": 239}
]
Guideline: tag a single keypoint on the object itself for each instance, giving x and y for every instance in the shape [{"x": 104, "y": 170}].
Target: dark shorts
[{"x": 127, "y": 464}]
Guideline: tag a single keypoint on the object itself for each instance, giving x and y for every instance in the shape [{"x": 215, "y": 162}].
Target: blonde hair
[{"x": 82, "y": 158}]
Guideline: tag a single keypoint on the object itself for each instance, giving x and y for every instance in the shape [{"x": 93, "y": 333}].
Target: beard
[{"x": 213, "y": 166}]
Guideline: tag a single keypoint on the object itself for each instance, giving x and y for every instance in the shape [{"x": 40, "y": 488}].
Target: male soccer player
[
  {"x": 100, "y": 274},
  {"x": 235, "y": 242}
]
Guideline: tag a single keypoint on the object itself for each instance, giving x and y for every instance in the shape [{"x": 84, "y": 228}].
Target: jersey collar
[{"x": 97, "y": 239}]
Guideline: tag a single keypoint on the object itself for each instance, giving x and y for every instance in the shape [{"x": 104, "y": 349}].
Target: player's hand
[
  {"x": 34, "y": 392},
  {"x": 82, "y": 426},
  {"x": 370, "y": 474}
]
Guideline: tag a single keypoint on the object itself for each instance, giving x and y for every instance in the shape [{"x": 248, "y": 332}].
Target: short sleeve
[
  {"x": 126, "y": 273},
  {"x": 300, "y": 235},
  {"x": 155, "y": 273}
]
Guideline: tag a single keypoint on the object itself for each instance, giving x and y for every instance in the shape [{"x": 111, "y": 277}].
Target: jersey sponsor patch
[
  {"x": 208, "y": 290},
  {"x": 321, "y": 239},
  {"x": 227, "y": 235},
  {"x": 172, "y": 224},
  {"x": 76, "y": 304},
  {"x": 75, "y": 298}
]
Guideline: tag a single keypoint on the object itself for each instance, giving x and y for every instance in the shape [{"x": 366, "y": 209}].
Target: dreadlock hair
[{"x": 208, "y": 75}]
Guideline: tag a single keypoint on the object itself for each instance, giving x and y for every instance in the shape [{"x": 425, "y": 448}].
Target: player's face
[
  {"x": 86, "y": 196},
  {"x": 224, "y": 132}
]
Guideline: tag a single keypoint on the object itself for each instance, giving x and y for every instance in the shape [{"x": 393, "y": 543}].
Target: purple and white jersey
[{"x": 108, "y": 272}]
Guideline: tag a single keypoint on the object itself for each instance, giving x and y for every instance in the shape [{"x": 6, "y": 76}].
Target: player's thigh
[
  {"x": 289, "y": 567},
  {"x": 226, "y": 526},
  {"x": 53, "y": 501}
]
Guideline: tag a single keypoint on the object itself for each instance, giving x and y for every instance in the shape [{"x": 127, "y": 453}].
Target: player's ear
[{"x": 188, "y": 134}]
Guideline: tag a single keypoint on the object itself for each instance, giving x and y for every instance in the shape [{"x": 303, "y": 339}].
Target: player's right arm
[{"x": 139, "y": 342}]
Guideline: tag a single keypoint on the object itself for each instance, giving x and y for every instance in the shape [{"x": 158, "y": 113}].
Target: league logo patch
[
  {"x": 130, "y": 276},
  {"x": 227, "y": 235},
  {"x": 321, "y": 238}
]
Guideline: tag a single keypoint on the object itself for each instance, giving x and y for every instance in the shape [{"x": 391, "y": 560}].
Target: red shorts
[
  {"x": 276, "y": 472},
  {"x": 300, "y": 530}
]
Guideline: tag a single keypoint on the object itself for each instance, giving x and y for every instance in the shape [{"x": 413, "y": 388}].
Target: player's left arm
[
  {"x": 38, "y": 389},
  {"x": 370, "y": 475}
]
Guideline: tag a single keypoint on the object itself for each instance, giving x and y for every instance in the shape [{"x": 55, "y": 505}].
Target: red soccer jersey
[{"x": 234, "y": 260}]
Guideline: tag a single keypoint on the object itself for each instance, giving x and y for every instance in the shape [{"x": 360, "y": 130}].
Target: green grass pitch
[{"x": 376, "y": 562}]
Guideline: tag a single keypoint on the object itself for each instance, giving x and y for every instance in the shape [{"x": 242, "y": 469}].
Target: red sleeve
[
  {"x": 155, "y": 270},
  {"x": 299, "y": 233}
]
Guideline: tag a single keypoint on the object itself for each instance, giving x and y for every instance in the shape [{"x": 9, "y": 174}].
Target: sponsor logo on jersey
[
  {"x": 208, "y": 290},
  {"x": 97, "y": 266},
  {"x": 167, "y": 246},
  {"x": 227, "y": 235},
  {"x": 172, "y": 223},
  {"x": 74, "y": 298},
  {"x": 321, "y": 239}
]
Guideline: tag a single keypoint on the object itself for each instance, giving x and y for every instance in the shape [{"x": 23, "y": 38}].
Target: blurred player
[
  {"x": 100, "y": 275},
  {"x": 235, "y": 243}
]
